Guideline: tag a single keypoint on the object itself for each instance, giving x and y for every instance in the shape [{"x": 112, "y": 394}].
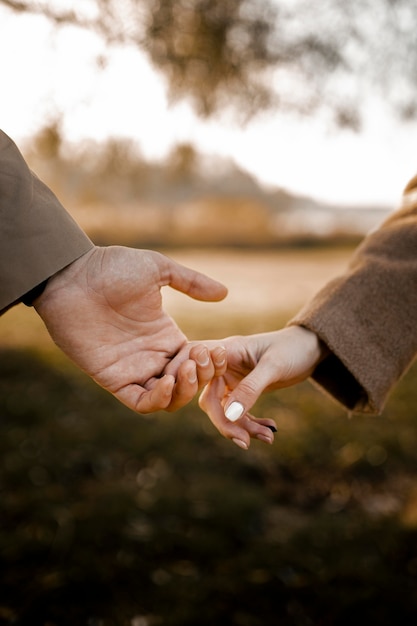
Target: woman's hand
[{"x": 258, "y": 363}]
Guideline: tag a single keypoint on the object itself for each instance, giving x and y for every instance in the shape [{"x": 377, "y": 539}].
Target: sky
[{"x": 45, "y": 70}]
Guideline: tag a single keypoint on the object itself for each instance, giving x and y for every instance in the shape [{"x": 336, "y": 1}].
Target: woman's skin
[{"x": 256, "y": 363}]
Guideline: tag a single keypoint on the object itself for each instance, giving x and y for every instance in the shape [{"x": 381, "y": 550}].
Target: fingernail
[
  {"x": 274, "y": 430},
  {"x": 192, "y": 377},
  {"x": 265, "y": 439},
  {"x": 219, "y": 355},
  {"x": 240, "y": 443},
  {"x": 234, "y": 411},
  {"x": 203, "y": 358}
]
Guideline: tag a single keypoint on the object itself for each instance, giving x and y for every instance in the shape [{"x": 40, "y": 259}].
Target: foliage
[
  {"x": 112, "y": 172},
  {"x": 251, "y": 54},
  {"x": 118, "y": 197},
  {"x": 109, "y": 518}
]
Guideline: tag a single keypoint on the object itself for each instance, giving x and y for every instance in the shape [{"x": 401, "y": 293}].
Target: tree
[{"x": 252, "y": 54}]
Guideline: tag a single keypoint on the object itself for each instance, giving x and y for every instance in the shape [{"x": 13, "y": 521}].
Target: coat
[
  {"x": 37, "y": 235},
  {"x": 367, "y": 317}
]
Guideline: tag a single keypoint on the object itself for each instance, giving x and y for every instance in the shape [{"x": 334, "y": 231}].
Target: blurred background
[{"x": 257, "y": 141}]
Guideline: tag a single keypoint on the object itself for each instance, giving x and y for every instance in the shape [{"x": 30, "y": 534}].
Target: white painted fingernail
[{"x": 234, "y": 411}]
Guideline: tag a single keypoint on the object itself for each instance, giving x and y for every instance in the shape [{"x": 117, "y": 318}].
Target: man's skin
[{"x": 105, "y": 312}]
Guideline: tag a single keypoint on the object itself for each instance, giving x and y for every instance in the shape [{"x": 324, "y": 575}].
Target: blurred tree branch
[{"x": 254, "y": 54}]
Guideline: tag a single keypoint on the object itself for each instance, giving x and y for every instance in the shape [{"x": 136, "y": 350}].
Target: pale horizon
[{"x": 54, "y": 71}]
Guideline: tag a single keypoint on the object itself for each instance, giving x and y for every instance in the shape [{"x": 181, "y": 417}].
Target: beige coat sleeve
[
  {"x": 37, "y": 236},
  {"x": 368, "y": 316}
]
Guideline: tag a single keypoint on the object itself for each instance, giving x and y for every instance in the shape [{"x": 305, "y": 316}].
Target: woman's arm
[
  {"x": 355, "y": 339},
  {"x": 367, "y": 317}
]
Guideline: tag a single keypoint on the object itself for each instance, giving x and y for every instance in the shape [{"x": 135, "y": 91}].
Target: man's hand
[{"x": 105, "y": 312}]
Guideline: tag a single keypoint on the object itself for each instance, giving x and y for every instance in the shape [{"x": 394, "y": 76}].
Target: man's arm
[
  {"x": 38, "y": 237},
  {"x": 102, "y": 306}
]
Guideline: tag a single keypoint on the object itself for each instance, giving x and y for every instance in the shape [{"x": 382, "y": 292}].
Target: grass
[{"x": 114, "y": 519}]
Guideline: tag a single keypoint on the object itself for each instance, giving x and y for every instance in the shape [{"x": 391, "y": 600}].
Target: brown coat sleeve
[
  {"x": 37, "y": 236},
  {"x": 368, "y": 316}
]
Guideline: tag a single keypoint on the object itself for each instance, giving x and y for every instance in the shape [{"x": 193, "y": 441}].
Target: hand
[
  {"x": 105, "y": 312},
  {"x": 255, "y": 364}
]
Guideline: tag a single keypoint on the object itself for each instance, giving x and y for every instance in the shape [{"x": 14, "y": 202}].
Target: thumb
[
  {"x": 246, "y": 393},
  {"x": 193, "y": 283}
]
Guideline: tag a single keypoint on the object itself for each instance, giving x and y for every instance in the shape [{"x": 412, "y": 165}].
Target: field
[
  {"x": 109, "y": 518},
  {"x": 265, "y": 288}
]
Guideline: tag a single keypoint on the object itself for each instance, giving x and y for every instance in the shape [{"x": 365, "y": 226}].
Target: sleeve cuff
[{"x": 34, "y": 293}]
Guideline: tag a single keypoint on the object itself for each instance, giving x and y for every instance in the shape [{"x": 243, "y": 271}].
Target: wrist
[
  {"x": 60, "y": 284},
  {"x": 315, "y": 347}
]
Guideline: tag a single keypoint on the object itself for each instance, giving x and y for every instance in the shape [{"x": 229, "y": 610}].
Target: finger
[
  {"x": 245, "y": 394},
  {"x": 261, "y": 429},
  {"x": 198, "y": 352},
  {"x": 186, "y": 386},
  {"x": 194, "y": 373},
  {"x": 193, "y": 283},
  {"x": 219, "y": 359},
  {"x": 210, "y": 402},
  {"x": 143, "y": 400},
  {"x": 204, "y": 364}
]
